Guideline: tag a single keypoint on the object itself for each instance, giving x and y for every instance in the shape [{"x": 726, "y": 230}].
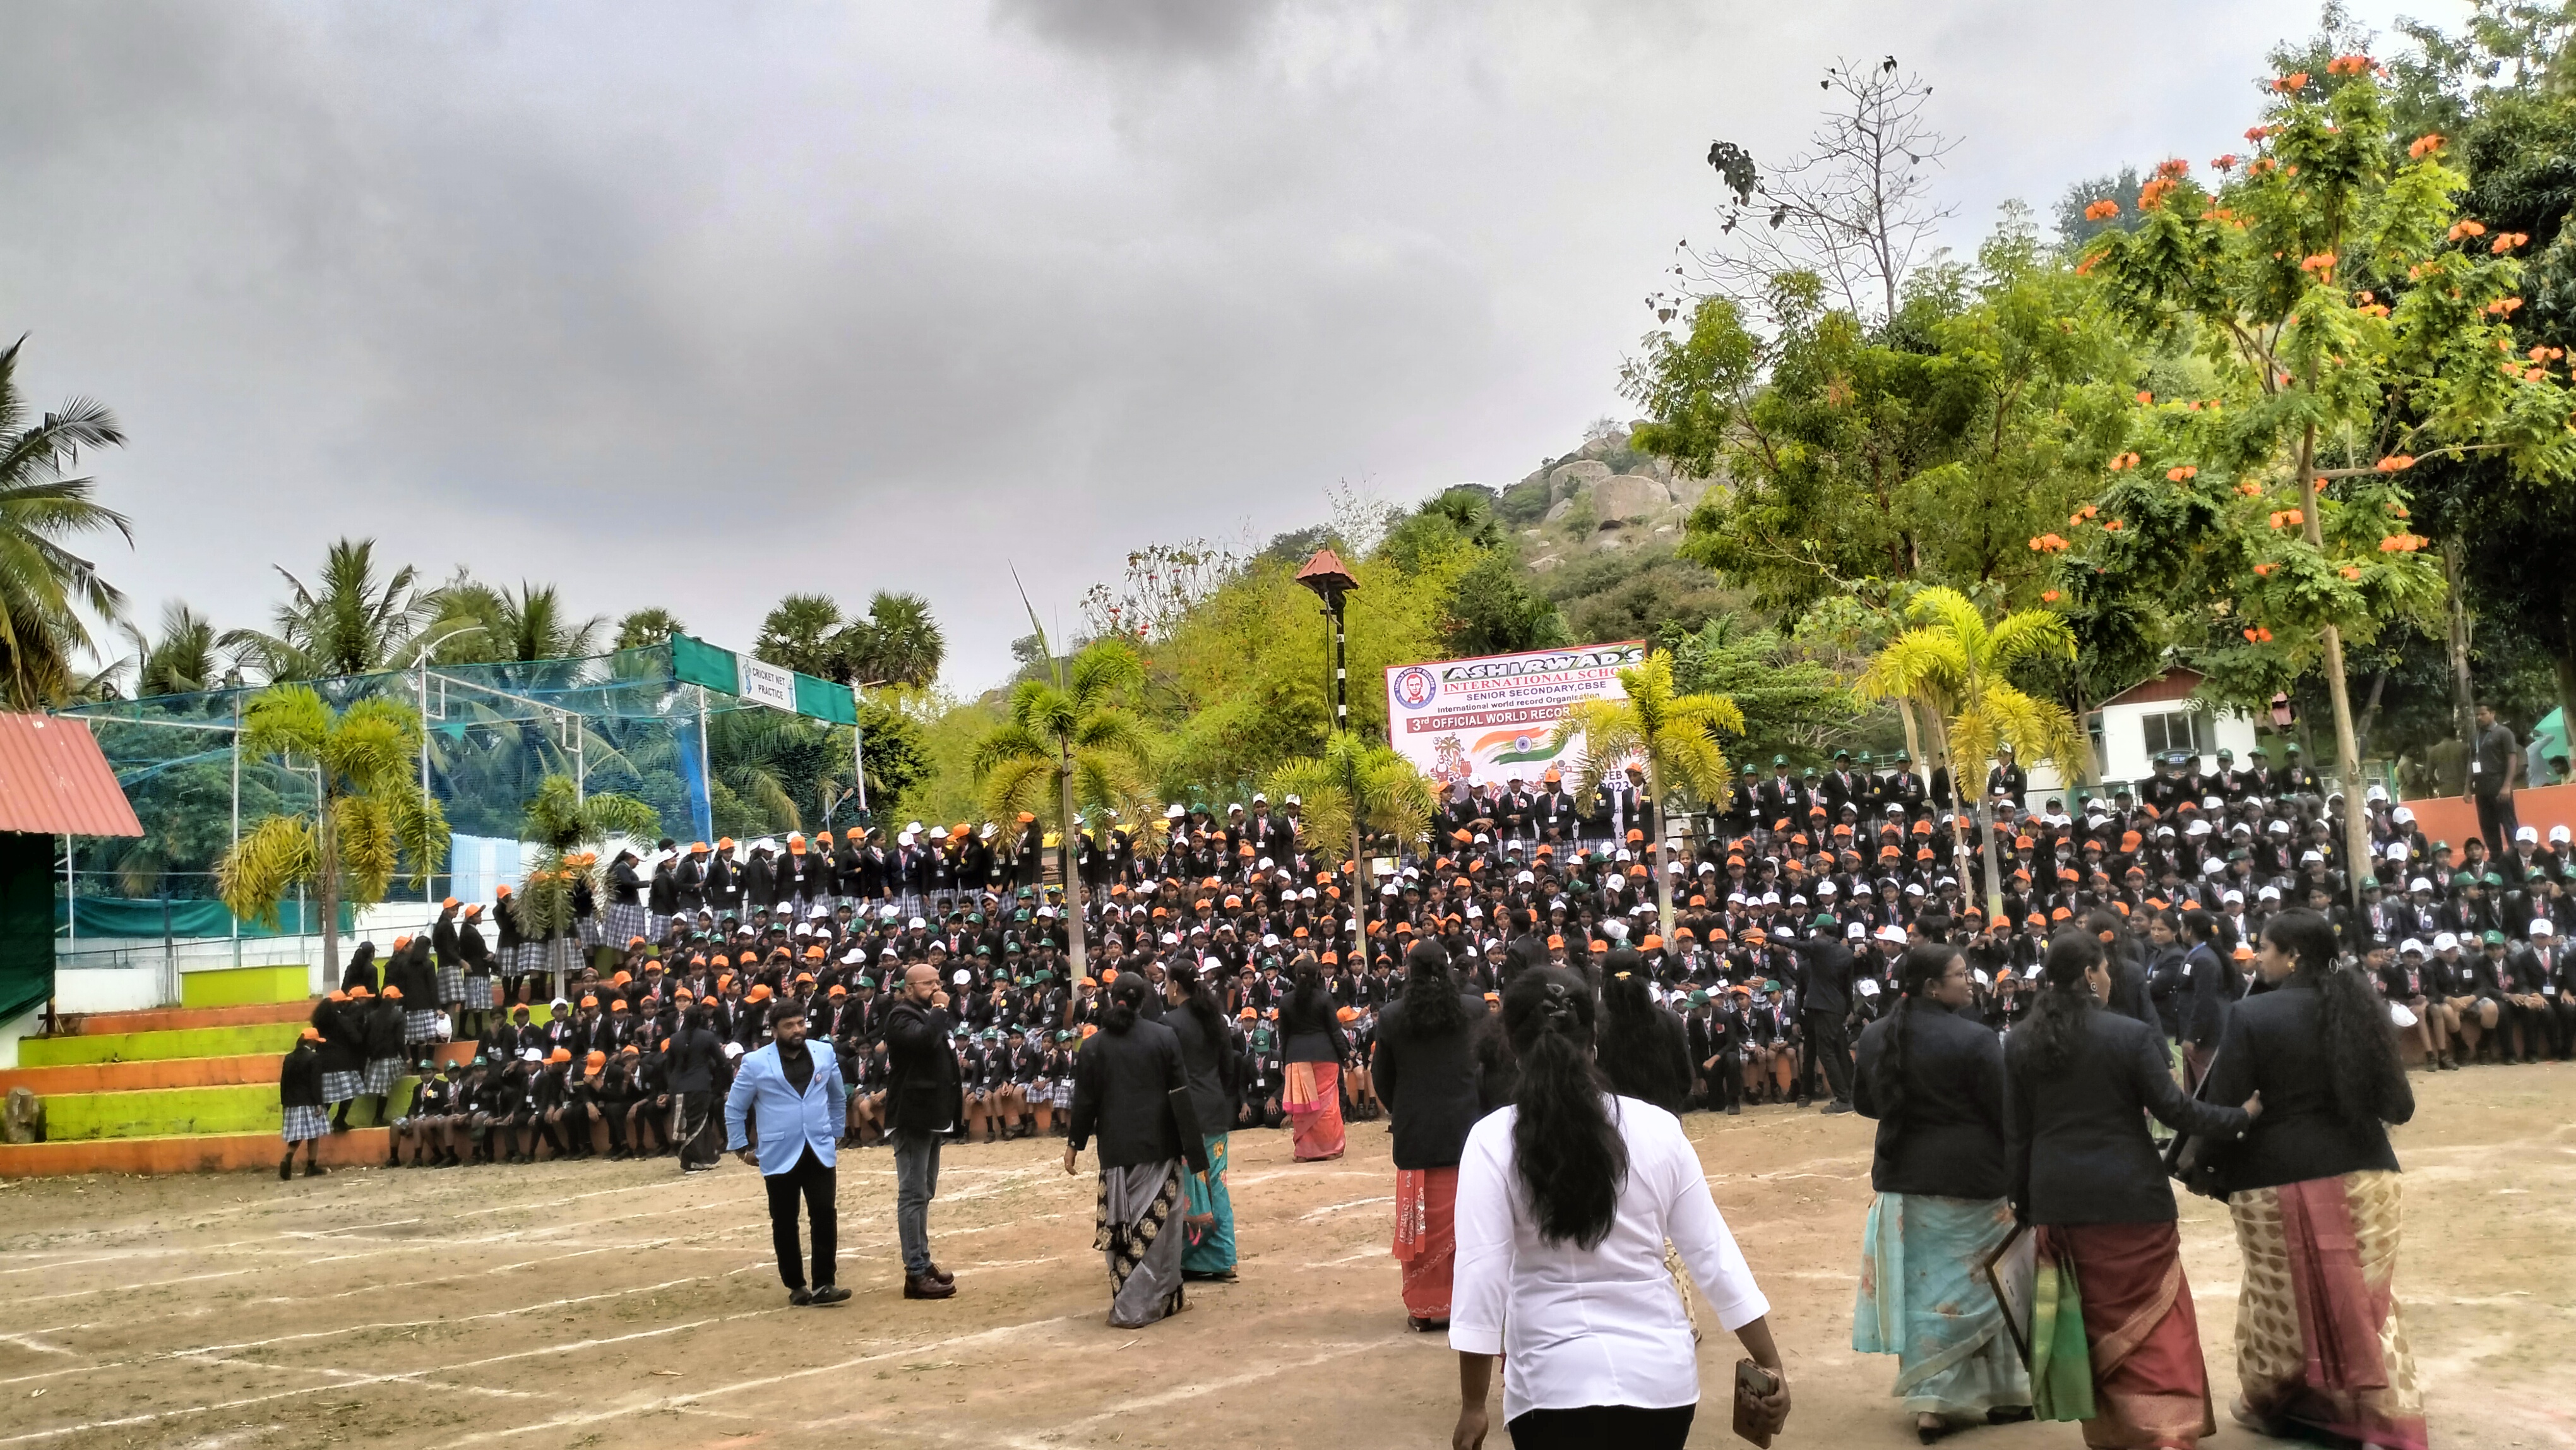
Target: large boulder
[
  {"x": 1626, "y": 498},
  {"x": 1569, "y": 479},
  {"x": 1557, "y": 511},
  {"x": 1686, "y": 489}
]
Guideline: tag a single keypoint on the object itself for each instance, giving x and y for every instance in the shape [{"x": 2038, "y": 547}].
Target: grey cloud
[{"x": 1158, "y": 29}]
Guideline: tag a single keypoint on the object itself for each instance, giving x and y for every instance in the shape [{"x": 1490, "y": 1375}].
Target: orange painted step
[
  {"x": 210, "y": 1153},
  {"x": 118, "y": 1077},
  {"x": 166, "y": 1019}
]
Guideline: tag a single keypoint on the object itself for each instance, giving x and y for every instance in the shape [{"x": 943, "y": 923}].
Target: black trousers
[
  {"x": 1725, "y": 1082},
  {"x": 1828, "y": 1047},
  {"x": 1599, "y": 1427},
  {"x": 812, "y": 1181},
  {"x": 2497, "y": 822}
]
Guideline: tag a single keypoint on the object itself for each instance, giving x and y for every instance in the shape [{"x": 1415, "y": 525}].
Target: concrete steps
[
  {"x": 158, "y": 1045},
  {"x": 168, "y": 1019},
  {"x": 192, "y": 1153},
  {"x": 173, "y": 1072}
]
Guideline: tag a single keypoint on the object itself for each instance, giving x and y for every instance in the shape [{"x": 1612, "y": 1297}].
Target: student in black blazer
[
  {"x": 1425, "y": 1071},
  {"x": 1934, "y": 1079},
  {"x": 2082, "y": 1080},
  {"x": 2316, "y": 1183}
]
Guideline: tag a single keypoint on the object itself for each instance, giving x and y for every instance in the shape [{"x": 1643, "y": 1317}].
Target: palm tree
[
  {"x": 898, "y": 642},
  {"x": 1358, "y": 785},
  {"x": 562, "y": 821},
  {"x": 515, "y": 628},
  {"x": 801, "y": 634},
  {"x": 182, "y": 661},
  {"x": 43, "y": 585},
  {"x": 644, "y": 628},
  {"x": 371, "y": 810},
  {"x": 1673, "y": 734},
  {"x": 1069, "y": 743},
  {"x": 1956, "y": 667},
  {"x": 349, "y": 623}
]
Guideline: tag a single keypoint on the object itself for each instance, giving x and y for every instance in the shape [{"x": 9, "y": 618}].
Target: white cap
[
  {"x": 2558, "y": 835},
  {"x": 532, "y": 1054},
  {"x": 2410, "y": 945},
  {"x": 2419, "y": 884},
  {"x": 920, "y": 925},
  {"x": 1292, "y": 800},
  {"x": 2405, "y": 816},
  {"x": 2527, "y": 833},
  {"x": 1894, "y": 934},
  {"x": 2397, "y": 850},
  {"x": 886, "y": 915},
  {"x": 1913, "y": 888},
  {"x": 2543, "y": 926},
  {"x": 1856, "y": 931},
  {"x": 2236, "y": 898},
  {"x": 2444, "y": 941},
  {"x": 960, "y": 977},
  {"x": 2268, "y": 893},
  {"x": 1826, "y": 888}
]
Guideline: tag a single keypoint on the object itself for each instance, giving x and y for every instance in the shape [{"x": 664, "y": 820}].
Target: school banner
[{"x": 1487, "y": 720}]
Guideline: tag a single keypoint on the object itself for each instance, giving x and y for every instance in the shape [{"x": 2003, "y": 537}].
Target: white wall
[{"x": 2124, "y": 738}]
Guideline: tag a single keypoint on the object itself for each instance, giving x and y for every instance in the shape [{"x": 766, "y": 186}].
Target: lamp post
[{"x": 1332, "y": 583}]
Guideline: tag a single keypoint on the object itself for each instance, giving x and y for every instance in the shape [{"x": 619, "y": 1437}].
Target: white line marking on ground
[
  {"x": 687, "y": 1400},
  {"x": 1379, "y": 1251},
  {"x": 1330, "y": 1208}
]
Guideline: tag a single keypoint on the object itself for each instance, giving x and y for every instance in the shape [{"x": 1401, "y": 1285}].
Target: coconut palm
[
  {"x": 182, "y": 661},
  {"x": 1955, "y": 665},
  {"x": 1069, "y": 744},
  {"x": 1672, "y": 734},
  {"x": 44, "y": 586},
  {"x": 371, "y": 810},
  {"x": 1358, "y": 786},
  {"x": 348, "y": 622},
  {"x": 897, "y": 643},
  {"x": 568, "y": 827},
  {"x": 494, "y": 625}
]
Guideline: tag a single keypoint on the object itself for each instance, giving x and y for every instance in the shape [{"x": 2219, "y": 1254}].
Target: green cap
[
  {"x": 2461, "y": 879},
  {"x": 1779, "y": 760},
  {"x": 2493, "y": 938},
  {"x": 1699, "y": 999}
]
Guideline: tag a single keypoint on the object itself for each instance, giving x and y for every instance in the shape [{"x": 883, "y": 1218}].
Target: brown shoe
[
  {"x": 942, "y": 1275},
  {"x": 922, "y": 1286}
]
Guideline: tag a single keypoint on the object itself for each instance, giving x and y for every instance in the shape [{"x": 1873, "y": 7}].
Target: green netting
[{"x": 709, "y": 762}]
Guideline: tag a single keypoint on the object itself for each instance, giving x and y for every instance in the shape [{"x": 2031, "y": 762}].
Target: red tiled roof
[
  {"x": 53, "y": 780},
  {"x": 2173, "y": 684}
]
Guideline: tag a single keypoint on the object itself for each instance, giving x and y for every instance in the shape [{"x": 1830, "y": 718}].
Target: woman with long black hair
[
  {"x": 1565, "y": 1200},
  {"x": 1316, "y": 1048},
  {"x": 2314, "y": 1192},
  {"x": 1933, "y": 1077},
  {"x": 1426, "y": 1072},
  {"x": 1645, "y": 1049},
  {"x": 2114, "y": 1341},
  {"x": 1208, "y": 1061},
  {"x": 1123, "y": 1082}
]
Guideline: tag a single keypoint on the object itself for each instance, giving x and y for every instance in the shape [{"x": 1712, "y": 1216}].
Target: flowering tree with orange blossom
[{"x": 2352, "y": 324}]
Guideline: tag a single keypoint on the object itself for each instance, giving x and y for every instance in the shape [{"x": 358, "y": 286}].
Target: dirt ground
[{"x": 619, "y": 1304}]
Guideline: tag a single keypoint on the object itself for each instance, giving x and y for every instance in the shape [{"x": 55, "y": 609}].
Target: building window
[{"x": 2187, "y": 731}]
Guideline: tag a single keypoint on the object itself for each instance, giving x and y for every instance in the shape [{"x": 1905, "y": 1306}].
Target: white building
[{"x": 2152, "y": 718}]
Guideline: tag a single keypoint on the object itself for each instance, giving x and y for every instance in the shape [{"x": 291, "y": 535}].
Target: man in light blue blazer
[{"x": 794, "y": 1091}]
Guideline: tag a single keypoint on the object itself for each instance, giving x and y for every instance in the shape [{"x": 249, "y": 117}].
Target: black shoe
[
  {"x": 828, "y": 1295},
  {"x": 286, "y": 1170},
  {"x": 314, "y": 1170},
  {"x": 1804, "y": 1103},
  {"x": 2008, "y": 1414},
  {"x": 800, "y": 1296},
  {"x": 1734, "y": 1110},
  {"x": 1420, "y": 1325},
  {"x": 1832, "y": 1108}
]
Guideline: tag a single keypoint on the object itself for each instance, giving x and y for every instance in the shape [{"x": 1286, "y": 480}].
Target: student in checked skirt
[{"x": 299, "y": 1096}]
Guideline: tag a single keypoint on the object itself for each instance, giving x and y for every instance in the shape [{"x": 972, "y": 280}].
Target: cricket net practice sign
[{"x": 1487, "y": 720}]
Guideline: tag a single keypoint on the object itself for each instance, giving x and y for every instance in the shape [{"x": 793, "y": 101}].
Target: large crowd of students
[{"x": 1789, "y": 912}]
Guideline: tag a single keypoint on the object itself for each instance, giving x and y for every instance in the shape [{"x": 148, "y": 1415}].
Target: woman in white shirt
[{"x": 1565, "y": 1201}]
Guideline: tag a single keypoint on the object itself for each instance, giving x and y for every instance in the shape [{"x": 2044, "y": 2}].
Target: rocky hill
[{"x": 1602, "y": 497}]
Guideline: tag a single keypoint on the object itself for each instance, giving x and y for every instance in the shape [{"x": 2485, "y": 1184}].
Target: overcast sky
[{"x": 691, "y": 305}]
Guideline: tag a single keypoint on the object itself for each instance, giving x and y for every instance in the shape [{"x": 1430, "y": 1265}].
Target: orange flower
[
  {"x": 2426, "y": 144},
  {"x": 2349, "y": 65},
  {"x": 2102, "y": 210},
  {"x": 2395, "y": 463},
  {"x": 2226, "y": 162},
  {"x": 2145, "y": 397},
  {"x": 2262, "y": 636},
  {"x": 2402, "y": 543},
  {"x": 2533, "y": 375},
  {"x": 2152, "y": 195},
  {"x": 2462, "y": 229},
  {"x": 2256, "y": 134},
  {"x": 2112, "y": 527},
  {"x": 2049, "y": 544},
  {"x": 2249, "y": 636},
  {"x": 2291, "y": 82},
  {"x": 2249, "y": 488},
  {"x": 2264, "y": 571},
  {"x": 2177, "y": 475},
  {"x": 2349, "y": 572},
  {"x": 2048, "y": 596}
]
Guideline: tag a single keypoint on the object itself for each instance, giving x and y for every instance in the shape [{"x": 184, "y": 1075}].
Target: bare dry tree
[{"x": 1855, "y": 208}]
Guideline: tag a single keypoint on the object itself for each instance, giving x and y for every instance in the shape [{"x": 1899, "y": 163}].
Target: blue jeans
[{"x": 916, "y": 1182}]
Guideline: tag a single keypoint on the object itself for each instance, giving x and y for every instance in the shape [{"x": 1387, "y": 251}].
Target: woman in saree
[
  {"x": 1124, "y": 1086},
  {"x": 1934, "y": 1080},
  {"x": 1316, "y": 1049},
  {"x": 2314, "y": 1192},
  {"x": 2114, "y": 1341}
]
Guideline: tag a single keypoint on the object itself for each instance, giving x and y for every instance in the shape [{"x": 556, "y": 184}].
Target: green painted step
[
  {"x": 241, "y": 986},
  {"x": 154, "y": 1046},
  {"x": 172, "y": 1112}
]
